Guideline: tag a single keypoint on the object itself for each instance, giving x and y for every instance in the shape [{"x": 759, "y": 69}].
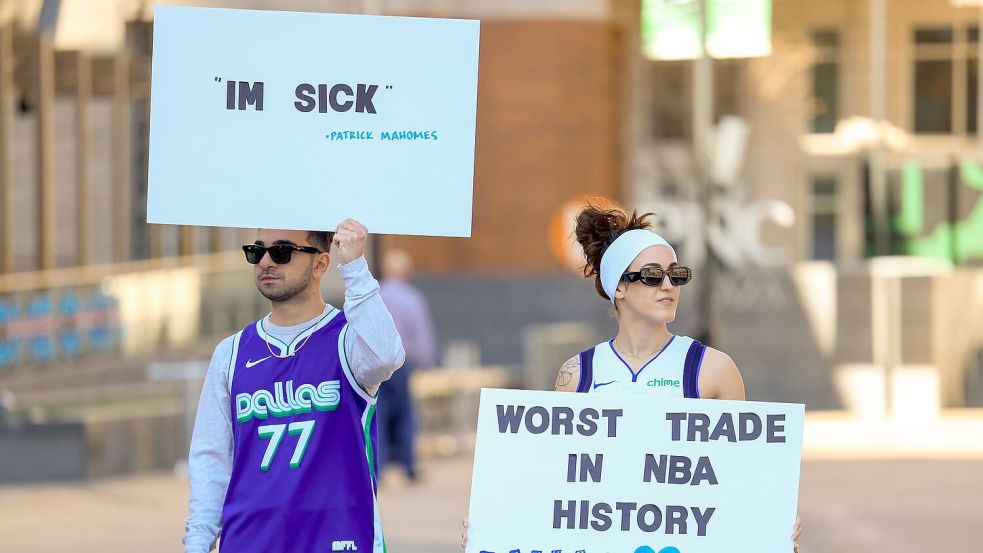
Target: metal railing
[{"x": 64, "y": 316}]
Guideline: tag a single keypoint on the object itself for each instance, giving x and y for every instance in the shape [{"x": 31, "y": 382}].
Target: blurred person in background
[
  {"x": 397, "y": 419},
  {"x": 282, "y": 450}
]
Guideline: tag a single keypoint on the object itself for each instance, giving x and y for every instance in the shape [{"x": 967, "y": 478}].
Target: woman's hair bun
[{"x": 599, "y": 224}]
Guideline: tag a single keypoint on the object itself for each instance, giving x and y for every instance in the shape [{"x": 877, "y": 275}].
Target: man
[
  {"x": 397, "y": 424},
  {"x": 282, "y": 456}
]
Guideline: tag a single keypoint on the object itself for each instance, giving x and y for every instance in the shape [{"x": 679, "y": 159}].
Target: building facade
[{"x": 568, "y": 107}]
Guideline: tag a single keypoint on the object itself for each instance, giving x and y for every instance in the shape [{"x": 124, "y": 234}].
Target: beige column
[
  {"x": 83, "y": 154},
  {"x": 6, "y": 149},
  {"x": 215, "y": 242},
  {"x": 189, "y": 238},
  {"x": 121, "y": 156},
  {"x": 45, "y": 150}
]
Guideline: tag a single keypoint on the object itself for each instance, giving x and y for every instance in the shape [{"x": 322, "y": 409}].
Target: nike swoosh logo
[
  {"x": 251, "y": 363},
  {"x": 596, "y": 386}
]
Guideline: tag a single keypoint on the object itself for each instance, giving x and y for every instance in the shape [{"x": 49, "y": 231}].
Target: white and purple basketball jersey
[
  {"x": 673, "y": 372},
  {"x": 304, "y": 437}
]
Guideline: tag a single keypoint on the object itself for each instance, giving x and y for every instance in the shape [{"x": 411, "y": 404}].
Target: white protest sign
[
  {"x": 561, "y": 472},
  {"x": 300, "y": 120}
]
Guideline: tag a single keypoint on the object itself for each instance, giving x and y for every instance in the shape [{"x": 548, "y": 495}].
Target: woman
[{"x": 637, "y": 270}]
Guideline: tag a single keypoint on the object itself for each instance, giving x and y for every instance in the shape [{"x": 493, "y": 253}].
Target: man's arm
[
  {"x": 210, "y": 459},
  {"x": 373, "y": 345}
]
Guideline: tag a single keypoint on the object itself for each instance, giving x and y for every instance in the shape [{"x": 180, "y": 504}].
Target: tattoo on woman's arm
[{"x": 567, "y": 372}]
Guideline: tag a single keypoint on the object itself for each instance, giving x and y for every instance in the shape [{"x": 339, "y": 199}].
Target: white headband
[{"x": 622, "y": 252}]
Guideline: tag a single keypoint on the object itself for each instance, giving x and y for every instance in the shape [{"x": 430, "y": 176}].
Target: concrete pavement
[{"x": 901, "y": 506}]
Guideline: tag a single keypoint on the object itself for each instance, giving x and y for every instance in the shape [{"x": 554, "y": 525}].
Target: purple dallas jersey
[{"x": 304, "y": 437}]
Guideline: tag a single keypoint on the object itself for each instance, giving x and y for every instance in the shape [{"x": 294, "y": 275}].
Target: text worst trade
[{"x": 678, "y": 470}]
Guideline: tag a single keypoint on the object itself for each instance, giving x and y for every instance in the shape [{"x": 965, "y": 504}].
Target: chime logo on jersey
[
  {"x": 284, "y": 400},
  {"x": 660, "y": 382}
]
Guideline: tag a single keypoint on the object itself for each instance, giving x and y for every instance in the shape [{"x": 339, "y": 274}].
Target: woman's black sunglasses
[
  {"x": 652, "y": 275},
  {"x": 279, "y": 253}
]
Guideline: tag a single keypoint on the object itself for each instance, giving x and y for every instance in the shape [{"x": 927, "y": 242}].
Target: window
[
  {"x": 824, "y": 218},
  {"x": 671, "y": 95},
  {"x": 671, "y": 99},
  {"x": 945, "y": 73},
  {"x": 825, "y": 81}
]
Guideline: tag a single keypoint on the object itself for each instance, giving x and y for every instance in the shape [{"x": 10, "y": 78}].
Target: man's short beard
[{"x": 291, "y": 291}]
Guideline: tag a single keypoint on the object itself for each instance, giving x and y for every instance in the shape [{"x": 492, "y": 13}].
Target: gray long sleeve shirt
[{"x": 375, "y": 350}]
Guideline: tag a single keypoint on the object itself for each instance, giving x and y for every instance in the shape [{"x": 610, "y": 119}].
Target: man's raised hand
[{"x": 349, "y": 239}]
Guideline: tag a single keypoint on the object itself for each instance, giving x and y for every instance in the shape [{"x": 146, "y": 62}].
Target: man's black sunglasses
[
  {"x": 279, "y": 253},
  {"x": 652, "y": 275}
]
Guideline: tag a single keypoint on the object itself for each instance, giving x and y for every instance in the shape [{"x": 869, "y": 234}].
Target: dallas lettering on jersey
[{"x": 284, "y": 400}]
